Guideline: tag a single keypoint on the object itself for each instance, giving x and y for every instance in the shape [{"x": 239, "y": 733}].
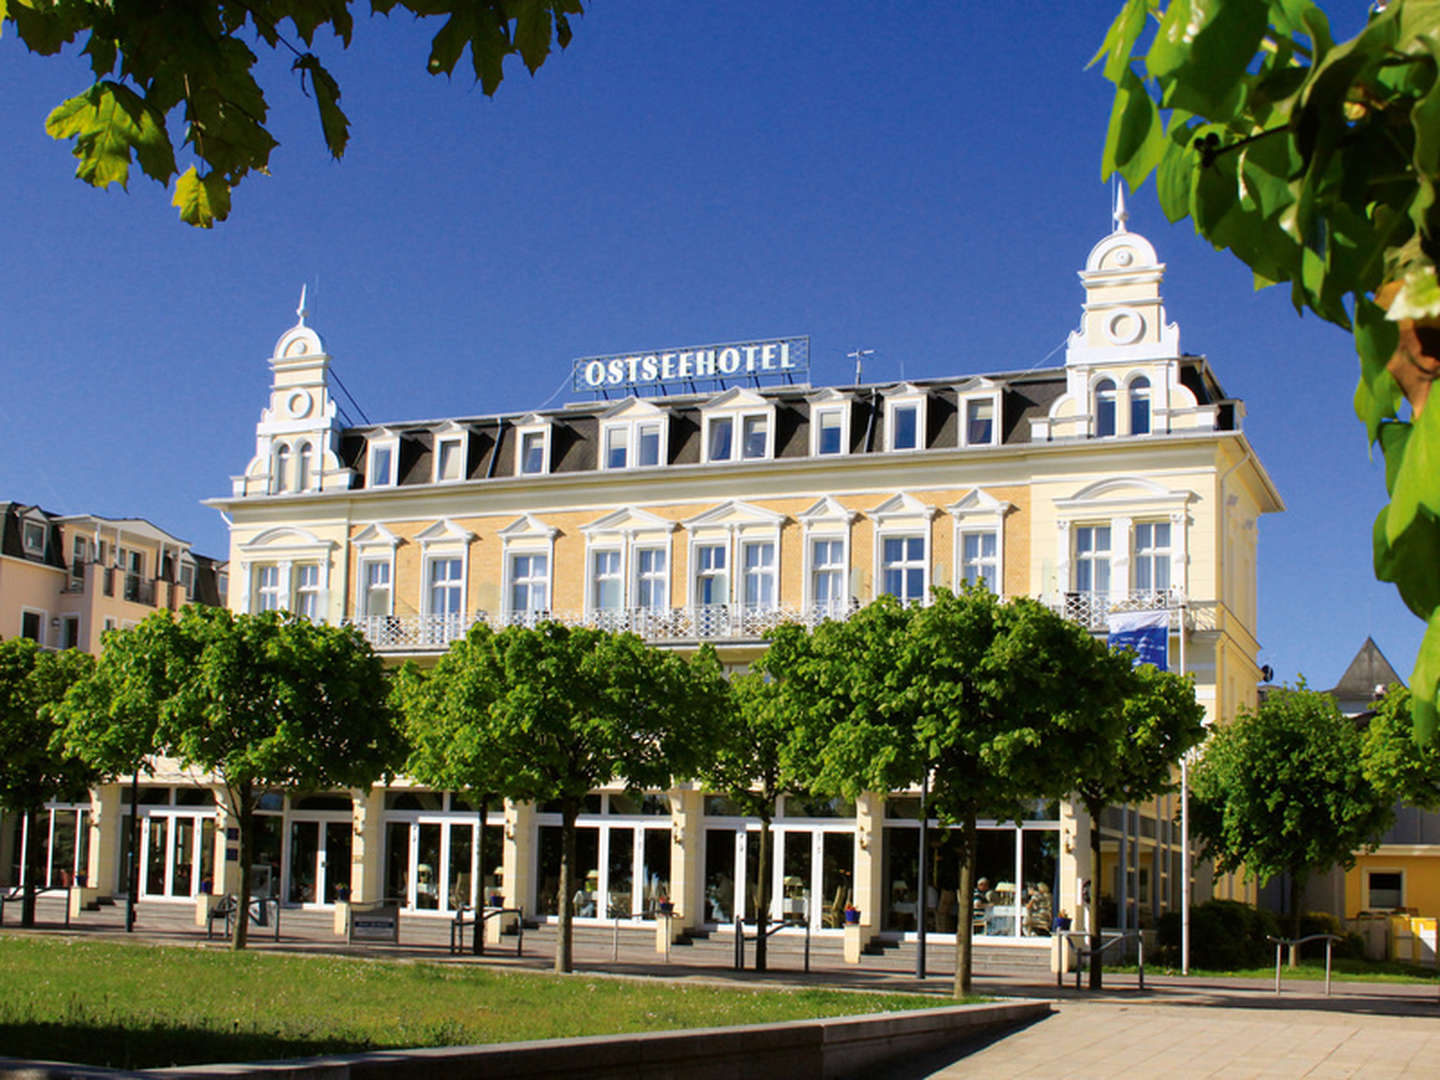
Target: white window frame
[
  {"x": 458, "y": 435},
  {"x": 527, "y": 536},
  {"x": 964, "y": 403},
  {"x": 261, "y": 590},
  {"x": 283, "y": 547},
  {"x": 981, "y": 561},
  {"x": 830, "y": 402},
  {"x": 722, "y": 545},
  {"x": 1079, "y": 559},
  {"x": 384, "y": 441},
  {"x": 1119, "y": 501},
  {"x": 903, "y": 516},
  {"x": 904, "y": 536},
  {"x": 1105, "y": 388},
  {"x": 301, "y": 591},
  {"x": 307, "y": 476},
  {"x": 978, "y": 512},
  {"x": 629, "y": 531},
  {"x": 524, "y": 432},
  {"x": 614, "y": 572},
  {"x": 1156, "y": 555},
  {"x": 1368, "y": 904},
  {"x": 826, "y": 520},
  {"x": 729, "y": 525},
  {"x": 26, "y": 525},
  {"x": 770, "y": 573},
  {"x": 905, "y": 396},
  {"x": 279, "y": 482},
  {"x": 737, "y": 406},
  {"x": 362, "y": 586},
  {"x": 1130, "y": 402},
  {"x": 373, "y": 544},
  {"x": 662, "y": 576}
]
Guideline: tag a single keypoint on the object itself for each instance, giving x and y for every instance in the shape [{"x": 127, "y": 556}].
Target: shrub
[
  {"x": 1224, "y": 935},
  {"x": 1350, "y": 945}
]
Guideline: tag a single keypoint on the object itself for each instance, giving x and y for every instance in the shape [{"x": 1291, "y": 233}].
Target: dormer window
[
  {"x": 633, "y": 435},
  {"x": 738, "y": 425},
  {"x": 34, "y": 538},
  {"x": 532, "y": 445},
  {"x": 830, "y": 431},
  {"x": 905, "y": 419},
  {"x": 380, "y": 469},
  {"x": 450, "y": 448},
  {"x": 980, "y": 415}
]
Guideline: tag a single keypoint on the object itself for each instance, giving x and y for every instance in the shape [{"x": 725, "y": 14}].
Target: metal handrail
[
  {"x": 618, "y": 919},
  {"x": 478, "y": 920},
  {"x": 771, "y": 929},
  {"x": 18, "y": 893},
  {"x": 1083, "y": 952},
  {"x": 1295, "y": 943}
]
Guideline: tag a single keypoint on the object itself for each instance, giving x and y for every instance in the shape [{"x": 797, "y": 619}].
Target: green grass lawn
[
  {"x": 139, "y": 1007},
  {"x": 1342, "y": 970}
]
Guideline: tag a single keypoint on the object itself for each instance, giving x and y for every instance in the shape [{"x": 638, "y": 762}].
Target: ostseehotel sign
[{"x": 733, "y": 360}]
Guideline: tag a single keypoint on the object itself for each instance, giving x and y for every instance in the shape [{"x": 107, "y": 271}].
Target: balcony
[
  {"x": 719, "y": 622},
  {"x": 132, "y": 587},
  {"x": 1093, "y": 610}
]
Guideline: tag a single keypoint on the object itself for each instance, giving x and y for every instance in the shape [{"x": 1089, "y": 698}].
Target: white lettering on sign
[{"x": 755, "y": 358}]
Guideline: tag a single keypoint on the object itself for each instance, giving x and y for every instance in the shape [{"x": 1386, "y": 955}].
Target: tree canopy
[
  {"x": 1283, "y": 789},
  {"x": 550, "y": 713},
  {"x": 258, "y": 701},
  {"x": 34, "y": 766},
  {"x": 990, "y": 701},
  {"x": 164, "y": 69},
  {"x": 1315, "y": 162}
]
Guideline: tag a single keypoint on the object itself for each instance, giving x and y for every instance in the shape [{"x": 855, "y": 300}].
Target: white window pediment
[
  {"x": 450, "y": 452},
  {"x": 444, "y": 534},
  {"x": 285, "y": 541},
  {"x": 901, "y": 511},
  {"x": 633, "y": 408},
  {"x": 629, "y": 521},
  {"x": 827, "y": 512},
  {"x": 1117, "y": 493},
  {"x": 375, "y": 536},
  {"x": 979, "y": 504},
  {"x": 735, "y": 514},
  {"x": 528, "y": 527},
  {"x": 737, "y": 397},
  {"x": 737, "y": 425}
]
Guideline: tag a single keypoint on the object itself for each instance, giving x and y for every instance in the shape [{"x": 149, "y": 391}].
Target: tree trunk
[
  {"x": 132, "y": 888},
  {"x": 965, "y": 912},
  {"x": 565, "y": 942},
  {"x": 1297, "y": 884},
  {"x": 478, "y": 945},
  {"x": 1096, "y": 940},
  {"x": 762, "y": 892},
  {"x": 31, "y": 869},
  {"x": 245, "y": 811}
]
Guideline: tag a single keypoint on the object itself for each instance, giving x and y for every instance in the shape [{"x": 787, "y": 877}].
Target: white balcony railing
[{"x": 716, "y": 622}]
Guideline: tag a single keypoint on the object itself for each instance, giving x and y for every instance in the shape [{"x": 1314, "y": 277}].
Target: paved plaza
[{"x": 1175, "y": 1028}]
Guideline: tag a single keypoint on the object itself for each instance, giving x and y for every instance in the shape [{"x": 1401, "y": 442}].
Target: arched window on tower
[
  {"x": 1104, "y": 408},
  {"x": 304, "y": 467},
  {"x": 280, "y": 469},
  {"x": 1140, "y": 406}
]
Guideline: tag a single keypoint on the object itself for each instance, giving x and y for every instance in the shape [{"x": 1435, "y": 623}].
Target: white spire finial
[
  {"x": 303, "y": 310},
  {"x": 1119, "y": 214}
]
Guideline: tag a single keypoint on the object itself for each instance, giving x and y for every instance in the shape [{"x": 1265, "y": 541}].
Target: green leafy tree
[
  {"x": 33, "y": 765},
  {"x": 163, "y": 69},
  {"x": 754, "y": 763},
  {"x": 1394, "y": 765},
  {"x": 1161, "y": 721},
  {"x": 553, "y": 712},
  {"x": 1283, "y": 789},
  {"x": 1315, "y": 162},
  {"x": 446, "y": 714},
  {"x": 987, "y": 700},
  {"x": 259, "y": 702}
]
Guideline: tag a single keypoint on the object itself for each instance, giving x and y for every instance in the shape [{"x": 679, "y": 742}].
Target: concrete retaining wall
[{"x": 838, "y": 1047}]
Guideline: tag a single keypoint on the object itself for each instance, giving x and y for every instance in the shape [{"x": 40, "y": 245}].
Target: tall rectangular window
[
  {"x": 267, "y": 589},
  {"x": 307, "y": 590},
  {"x": 449, "y": 461},
  {"x": 32, "y": 626},
  {"x": 382, "y": 466},
  {"x": 34, "y": 538},
  {"x": 711, "y": 580},
  {"x": 979, "y": 422},
  {"x": 902, "y": 570},
  {"x": 756, "y": 436},
  {"x": 759, "y": 574},
  {"x": 446, "y": 585},
  {"x": 651, "y": 578},
  {"x": 722, "y": 431},
  {"x": 70, "y": 632},
  {"x": 532, "y": 453},
  {"x": 1152, "y": 556},
  {"x": 529, "y": 582},
  {"x": 979, "y": 561},
  {"x": 1092, "y": 559},
  {"x": 79, "y": 555},
  {"x": 827, "y": 575},
  {"x": 906, "y": 434},
  {"x": 647, "y": 444},
  {"x": 828, "y": 441},
  {"x": 375, "y": 587},
  {"x": 607, "y": 585},
  {"x": 617, "y": 440}
]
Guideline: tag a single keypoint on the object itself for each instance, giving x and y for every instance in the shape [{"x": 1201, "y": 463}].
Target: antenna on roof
[{"x": 859, "y": 356}]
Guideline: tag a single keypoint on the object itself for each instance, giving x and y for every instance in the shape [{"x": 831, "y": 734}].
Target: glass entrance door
[
  {"x": 177, "y": 852},
  {"x": 319, "y": 860}
]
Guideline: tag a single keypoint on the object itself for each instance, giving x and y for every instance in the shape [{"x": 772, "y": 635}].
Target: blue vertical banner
[{"x": 1144, "y": 633}]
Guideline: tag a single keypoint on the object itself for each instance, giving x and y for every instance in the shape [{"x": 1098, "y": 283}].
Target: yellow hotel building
[{"x": 709, "y": 508}]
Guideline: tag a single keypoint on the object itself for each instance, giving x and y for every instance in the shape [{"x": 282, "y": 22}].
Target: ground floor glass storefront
[{"x": 63, "y": 836}]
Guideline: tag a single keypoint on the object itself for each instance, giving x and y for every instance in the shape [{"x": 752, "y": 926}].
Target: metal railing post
[
  {"x": 739, "y": 943},
  {"x": 1140, "y": 954}
]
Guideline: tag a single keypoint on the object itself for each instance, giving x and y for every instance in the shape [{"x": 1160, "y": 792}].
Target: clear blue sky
[{"x": 921, "y": 179}]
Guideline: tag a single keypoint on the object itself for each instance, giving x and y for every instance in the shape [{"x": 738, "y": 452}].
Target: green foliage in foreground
[
  {"x": 141, "y": 1007},
  {"x": 1315, "y": 162}
]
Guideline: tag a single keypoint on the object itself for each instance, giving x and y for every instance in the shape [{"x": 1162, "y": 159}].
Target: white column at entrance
[
  {"x": 367, "y": 845},
  {"x": 869, "y": 862}
]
